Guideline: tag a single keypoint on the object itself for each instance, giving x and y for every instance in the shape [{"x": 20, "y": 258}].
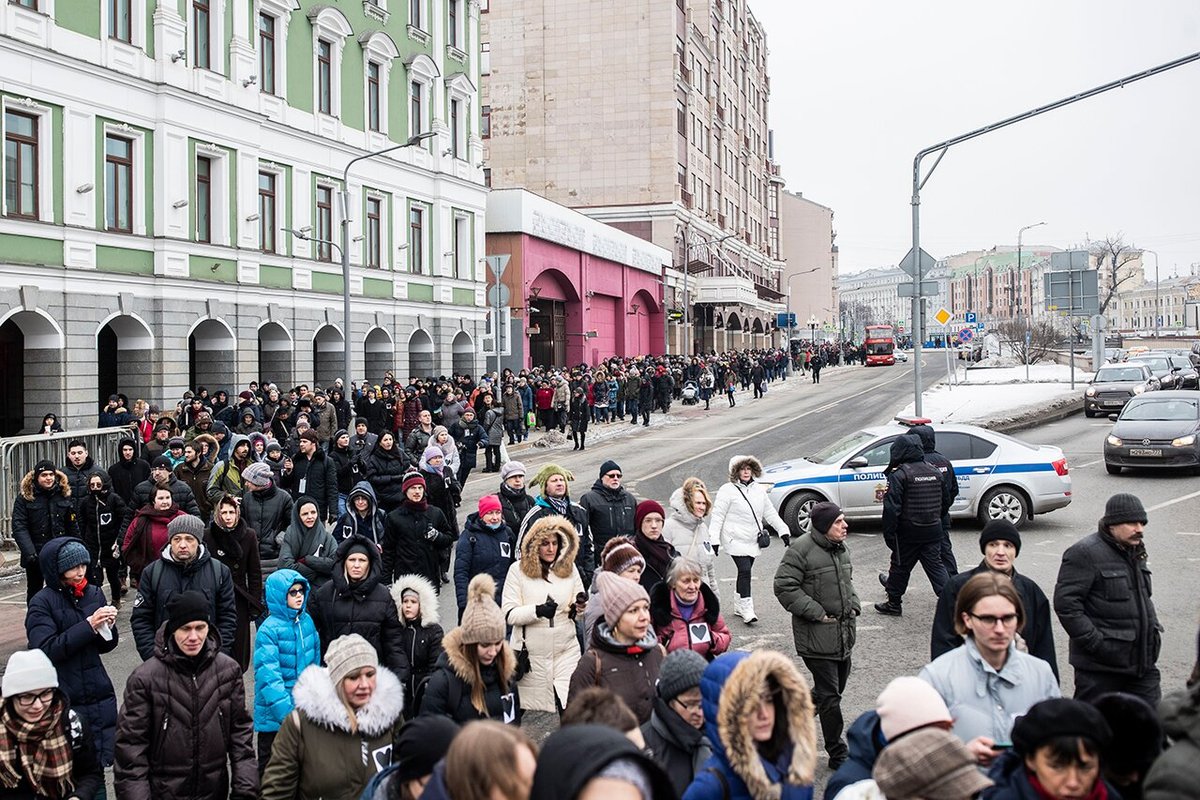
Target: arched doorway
[
  {"x": 733, "y": 331},
  {"x": 380, "y": 353},
  {"x": 420, "y": 355},
  {"x": 31, "y": 375},
  {"x": 552, "y": 300},
  {"x": 275, "y": 352},
  {"x": 756, "y": 332},
  {"x": 640, "y": 326},
  {"x": 212, "y": 353},
  {"x": 124, "y": 358},
  {"x": 462, "y": 352},
  {"x": 328, "y": 355},
  {"x": 12, "y": 364}
]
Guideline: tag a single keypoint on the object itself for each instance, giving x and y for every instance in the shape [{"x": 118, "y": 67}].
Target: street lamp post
[
  {"x": 1016, "y": 298},
  {"x": 812, "y": 330}
]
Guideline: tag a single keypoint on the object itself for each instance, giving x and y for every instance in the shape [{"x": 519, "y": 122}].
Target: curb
[{"x": 1031, "y": 419}]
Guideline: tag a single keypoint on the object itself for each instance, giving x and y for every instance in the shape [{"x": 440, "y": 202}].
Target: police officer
[
  {"x": 932, "y": 456},
  {"x": 913, "y": 507}
]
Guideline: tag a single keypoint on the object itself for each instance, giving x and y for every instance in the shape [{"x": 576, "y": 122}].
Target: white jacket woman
[
  {"x": 686, "y": 527},
  {"x": 740, "y": 511},
  {"x": 539, "y": 603}
]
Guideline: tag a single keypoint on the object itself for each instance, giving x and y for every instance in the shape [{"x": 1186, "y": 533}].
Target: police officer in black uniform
[
  {"x": 916, "y": 500},
  {"x": 932, "y": 456}
]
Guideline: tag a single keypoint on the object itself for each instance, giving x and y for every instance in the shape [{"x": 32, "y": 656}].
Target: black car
[
  {"x": 1189, "y": 378},
  {"x": 1159, "y": 429},
  {"x": 1168, "y": 376},
  {"x": 1114, "y": 385}
]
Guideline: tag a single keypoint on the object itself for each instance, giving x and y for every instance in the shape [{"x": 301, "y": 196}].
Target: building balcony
[{"x": 724, "y": 290}]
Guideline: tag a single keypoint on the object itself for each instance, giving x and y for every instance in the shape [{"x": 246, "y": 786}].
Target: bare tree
[
  {"x": 1113, "y": 254},
  {"x": 1042, "y": 337}
]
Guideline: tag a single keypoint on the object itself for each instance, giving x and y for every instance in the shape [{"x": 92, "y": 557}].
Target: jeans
[
  {"x": 745, "y": 567},
  {"x": 513, "y": 427},
  {"x": 341, "y": 504},
  {"x": 829, "y": 681},
  {"x": 929, "y": 554}
]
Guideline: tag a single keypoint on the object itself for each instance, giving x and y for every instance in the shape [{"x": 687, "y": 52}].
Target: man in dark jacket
[
  {"x": 267, "y": 509},
  {"x": 161, "y": 472},
  {"x": 514, "y": 500},
  {"x": 814, "y": 584},
  {"x": 674, "y": 735},
  {"x": 1102, "y": 598},
  {"x": 184, "y": 730},
  {"x": 932, "y": 456},
  {"x": 129, "y": 470},
  {"x": 42, "y": 510},
  {"x": 361, "y": 441},
  {"x": 196, "y": 471},
  {"x": 414, "y": 535},
  {"x": 311, "y": 474},
  {"x": 79, "y": 468},
  {"x": 185, "y": 566},
  {"x": 1000, "y": 543},
  {"x": 609, "y": 506}
]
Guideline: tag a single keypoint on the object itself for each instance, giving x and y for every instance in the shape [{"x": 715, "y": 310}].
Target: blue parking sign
[{"x": 969, "y": 317}]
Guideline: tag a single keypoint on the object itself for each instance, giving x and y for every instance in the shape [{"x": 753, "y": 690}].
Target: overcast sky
[{"x": 857, "y": 88}]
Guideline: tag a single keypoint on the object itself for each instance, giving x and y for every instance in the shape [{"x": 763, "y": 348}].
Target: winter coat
[
  {"x": 285, "y": 644},
  {"x": 146, "y": 536},
  {"x": 482, "y": 549},
  {"x": 128, "y": 474},
  {"x": 268, "y": 512},
  {"x": 448, "y": 692},
  {"x": 315, "y": 478},
  {"x": 561, "y": 398},
  {"x": 56, "y": 622},
  {"x": 39, "y": 515},
  {"x": 365, "y": 607},
  {"x": 421, "y": 640},
  {"x": 87, "y": 773},
  {"x": 407, "y": 415},
  {"x": 686, "y": 532},
  {"x": 1011, "y": 780},
  {"x": 375, "y": 413},
  {"x": 579, "y": 757},
  {"x": 77, "y": 477},
  {"x": 513, "y": 408},
  {"x": 317, "y": 755},
  {"x": 470, "y": 437},
  {"x": 493, "y": 425},
  {"x": 1037, "y": 633},
  {"x": 679, "y": 749},
  {"x": 418, "y": 439},
  {"x": 740, "y": 512},
  {"x": 814, "y": 581},
  {"x": 866, "y": 742},
  {"x": 443, "y": 492},
  {"x": 197, "y": 478},
  {"x": 705, "y": 632},
  {"x": 345, "y": 468},
  {"x": 610, "y": 513},
  {"x": 730, "y": 696},
  {"x": 406, "y": 547},
  {"x": 385, "y": 470},
  {"x": 1102, "y": 598},
  {"x": 165, "y": 578},
  {"x": 551, "y": 643},
  {"x": 237, "y": 549},
  {"x": 515, "y": 503},
  {"x": 580, "y": 413},
  {"x": 585, "y": 561},
  {"x": 100, "y": 525},
  {"x": 143, "y": 494},
  {"x": 309, "y": 551},
  {"x": 184, "y": 727},
  {"x": 353, "y": 524},
  {"x": 982, "y": 701},
  {"x": 226, "y": 474},
  {"x": 902, "y": 520},
  {"x": 629, "y": 671},
  {"x": 1176, "y": 773}
]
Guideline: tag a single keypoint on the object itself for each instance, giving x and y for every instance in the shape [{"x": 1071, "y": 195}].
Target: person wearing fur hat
[
  {"x": 475, "y": 676},
  {"x": 686, "y": 527},
  {"x": 486, "y": 545},
  {"x": 740, "y": 512},
  {"x": 1000, "y": 543},
  {"x": 555, "y": 500},
  {"x": 623, "y": 653},
  {"x": 540, "y": 603},
  {"x": 46, "y": 747},
  {"x": 814, "y": 583},
  {"x": 686, "y": 614},
  {"x": 1102, "y": 598},
  {"x": 184, "y": 730},
  {"x": 759, "y": 719},
  {"x": 414, "y": 535},
  {"x": 100, "y": 513},
  {"x": 235, "y": 544},
  {"x": 43, "y": 510},
  {"x": 415, "y": 604},
  {"x": 342, "y": 731}
]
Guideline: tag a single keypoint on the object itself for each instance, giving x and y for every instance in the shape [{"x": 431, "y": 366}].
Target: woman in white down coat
[
  {"x": 686, "y": 527},
  {"x": 540, "y": 594},
  {"x": 741, "y": 510}
]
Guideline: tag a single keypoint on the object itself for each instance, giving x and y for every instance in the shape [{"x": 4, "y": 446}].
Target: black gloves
[
  {"x": 547, "y": 609},
  {"x": 787, "y": 540}
]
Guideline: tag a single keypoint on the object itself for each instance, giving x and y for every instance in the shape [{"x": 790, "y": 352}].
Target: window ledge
[
  {"x": 456, "y": 54},
  {"x": 373, "y": 9},
  {"x": 417, "y": 34}
]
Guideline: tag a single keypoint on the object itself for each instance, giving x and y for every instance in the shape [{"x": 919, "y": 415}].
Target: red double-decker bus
[{"x": 880, "y": 345}]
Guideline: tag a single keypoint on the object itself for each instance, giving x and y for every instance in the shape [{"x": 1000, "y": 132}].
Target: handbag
[
  {"x": 523, "y": 664},
  {"x": 764, "y": 538}
]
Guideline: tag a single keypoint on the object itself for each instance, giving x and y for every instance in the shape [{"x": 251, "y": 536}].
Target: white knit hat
[{"x": 28, "y": 671}]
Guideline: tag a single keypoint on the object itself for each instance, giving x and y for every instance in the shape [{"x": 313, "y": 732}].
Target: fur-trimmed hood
[
  {"x": 730, "y": 689},
  {"x": 317, "y": 698},
  {"x": 737, "y": 462},
  {"x": 455, "y": 654},
  {"x": 27, "y": 484},
  {"x": 214, "y": 446},
  {"x": 426, "y": 592},
  {"x": 540, "y": 531}
]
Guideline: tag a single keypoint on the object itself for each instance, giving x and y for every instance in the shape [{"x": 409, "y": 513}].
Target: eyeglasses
[
  {"x": 990, "y": 620},
  {"x": 687, "y": 707},
  {"x": 28, "y": 700},
  {"x": 613, "y": 475},
  {"x": 295, "y": 591}
]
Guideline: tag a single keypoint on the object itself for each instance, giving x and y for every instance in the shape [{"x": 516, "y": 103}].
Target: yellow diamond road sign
[{"x": 943, "y": 316}]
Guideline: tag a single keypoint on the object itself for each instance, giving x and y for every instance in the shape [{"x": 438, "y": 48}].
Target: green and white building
[{"x": 168, "y": 165}]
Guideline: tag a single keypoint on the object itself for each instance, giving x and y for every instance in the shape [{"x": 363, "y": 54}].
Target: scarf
[
  {"x": 225, "y": 542},
  {"x": 1098, "y": 792},
  {"x": 39, "y": 752},
  {"x": 77, "y": 589},
  {"x": 419, "y": 506},
  {"x": 657, "y": 552},
  {"x": 561, "y": 505}
]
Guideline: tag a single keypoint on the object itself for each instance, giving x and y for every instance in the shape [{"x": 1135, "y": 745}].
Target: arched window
[{"x": 330, "y": 29}]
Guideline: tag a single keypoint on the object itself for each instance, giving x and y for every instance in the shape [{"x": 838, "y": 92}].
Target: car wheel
[
  {"x": 795, "y": 511},
  {"x": 1088, "y": 412},
  {"x": 1112, "y": 469},
  {"x": 1004, "y": 502}
]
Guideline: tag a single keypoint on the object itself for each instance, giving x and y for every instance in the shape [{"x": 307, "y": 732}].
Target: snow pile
[{"x": 1000, "y": 396}]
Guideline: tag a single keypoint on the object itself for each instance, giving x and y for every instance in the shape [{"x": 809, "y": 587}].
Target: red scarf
[
  {"x": 78, "y": 589},
  {"x": 1099, "y": 791}
]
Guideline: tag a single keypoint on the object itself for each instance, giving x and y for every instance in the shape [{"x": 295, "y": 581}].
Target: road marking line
[
  {"x": 1088, "y": 464},
  {"x": 871, "y": 627},
  {"x": 1187, "y": 533},
  {"x": 686, "y": 438},
  {"x": 1173, "y": 502}
]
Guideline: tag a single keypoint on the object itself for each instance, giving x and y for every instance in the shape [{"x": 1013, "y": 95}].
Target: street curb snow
[{"x": 1051, "y": 412}]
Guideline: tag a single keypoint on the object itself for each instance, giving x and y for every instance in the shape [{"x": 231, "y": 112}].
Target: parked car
[
  {"x": 1189, "y": 377},
  {"x": 1114, "y": 385},
  {"x": 1168, "y": 376},
  {"x": 1114, "y": 355},
  {"x": 1161, "y": 429}
]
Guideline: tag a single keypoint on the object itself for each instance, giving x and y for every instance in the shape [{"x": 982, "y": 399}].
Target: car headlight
[
  {"x": 1091, "y": 391},
  {"x": 1184, "y": 441},
  {"x": 1139, "y": 389},
  {"x": 1114, "y": 441}
]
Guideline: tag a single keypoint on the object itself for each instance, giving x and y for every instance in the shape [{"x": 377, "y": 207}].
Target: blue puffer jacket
[
  {"x": 286, "y": 644},
  {"x": 736, "y": 770},
  {"x": 482, "y": 549},
  {"x": 866, "y": 742}
]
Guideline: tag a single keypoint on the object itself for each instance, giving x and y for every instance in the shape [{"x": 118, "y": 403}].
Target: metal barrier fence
[{"x": 18, "y": 454}]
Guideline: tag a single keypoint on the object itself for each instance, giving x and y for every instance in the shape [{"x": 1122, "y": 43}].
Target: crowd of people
[{"x": 312, "y": 553}]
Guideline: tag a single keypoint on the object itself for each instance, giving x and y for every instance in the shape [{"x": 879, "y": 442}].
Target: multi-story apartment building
[
  {"x": 1176, "y": 300},
  {"x": 810, "y": 254},
  {"x": 652, "y": 117},
  {"x": 173, "y": 171},
  {"x": 870, "y": 297}
]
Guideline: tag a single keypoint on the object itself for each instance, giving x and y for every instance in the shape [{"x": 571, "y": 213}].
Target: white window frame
[
  {"x": 281, "y": 10},
  {"x": 460, "y": 89},
  {"x": 138, "y": 186},
  {"x": 418, "y": 20},
  {"x": 137, "y": 24},
  {"x": 385, "y": 231},
  {"x": 379, "y": 49},
  {"x": 485, "y": 58},
  {"x": 332, "y": 233},
  {"x": 421, "y": 70},
  {"x": 331, "y": 26},
  {"x": 460, "y": 232},
  {"x": 47, "y": 172},
  {"x": 216, "y": 36},
  {"x": 219, "y": 191}
]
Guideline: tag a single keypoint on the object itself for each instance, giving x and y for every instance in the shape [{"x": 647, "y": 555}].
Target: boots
[
  {"x": 583, "y": 441},
  {"x": 744, "y": 608},
  {"x": 891, "y": 608}
]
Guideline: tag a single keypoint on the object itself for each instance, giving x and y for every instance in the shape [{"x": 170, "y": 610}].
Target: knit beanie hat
[
  {"x": 438, "y": 430},
  {"x": 410, "y": 480},
  {"x": 347, "y": 654},
  {"x": 433, "y": 451},
  {"x": 489, "y": 503},
  {"x": 681, "y": 670},
  {"x": 258, "y": 474},
  {"x": 999, "y": 529},
  {"x": 619, "y": 554},
  {"x": 609, "y": 466},
  {"x": 421, "y": 744},
  {"x": 185, "y": 607},
  {"x": 929, "y": 764},
  {"x": 1123, "y": 508},
  {"x": 543, "y": 474},
  {"x": 28, "y": 671},
  {"x": 823, "y": 515},
  {"x": 1137, "y": 734},
  {"x": 482, "y": 620},
  {"x": 617, "y": 594},
  {"x": 645, "y": 509},
  {"x": 908, "y": 703},
  {"x": 175, "y": 443},
  {"x": 362, "y": 546},
  {"x": 510, "y": 468},
  {"x": 44, "y": 466},
  {"x": 310, "y": 436},
  {"x": 186, "y": 525},
  {"x": 1061, "y": 716},
  {"x": 161, "y": 461},
  {"x": 71, "y": 555}
]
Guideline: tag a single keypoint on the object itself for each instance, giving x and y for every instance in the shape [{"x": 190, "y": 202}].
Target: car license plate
[
  {"x": 1139, "y": 451},
  {"x": 1112, "y": 402}
]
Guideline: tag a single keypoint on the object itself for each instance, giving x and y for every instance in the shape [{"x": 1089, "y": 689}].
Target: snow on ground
[{"x": 990, "y": 396}]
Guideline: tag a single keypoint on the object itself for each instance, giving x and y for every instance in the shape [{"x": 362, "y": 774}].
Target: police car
[{"x": 999, "y": 477}]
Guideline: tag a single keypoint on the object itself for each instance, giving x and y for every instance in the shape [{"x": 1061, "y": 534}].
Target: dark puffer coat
[
  {"x": 678, "y": 748},
  {"x": 448, "y": 693},
  {"x": 99, "y": 524},
  {"x": 316, "y": 478},
  {"x": 128, "y": 473},
  {"x": 237, "y": 549},
  {"x": 385, "y": 470},
  {"x": 165, "y": 578},
  {"x": 610, "y": 513},
  {"x": 482, "y": 549},
  {"x": 77, "y": 477},
  {"x": 422, "y": 638},
  {"x": 39, "y": 515},
  {"x": 143, "y": 493},
  {"x": 354, "y": 524},
  {"x": 406, "y": 548},
  {"x": 184, "y": 727},
  {"x": 366, "y": 608}
]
